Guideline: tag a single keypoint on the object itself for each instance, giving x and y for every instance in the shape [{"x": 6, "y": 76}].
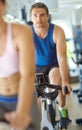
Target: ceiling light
[{"x": 78, "y": 6}]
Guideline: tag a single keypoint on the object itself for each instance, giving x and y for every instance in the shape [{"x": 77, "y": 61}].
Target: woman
[{"x": 17, "y": 71}]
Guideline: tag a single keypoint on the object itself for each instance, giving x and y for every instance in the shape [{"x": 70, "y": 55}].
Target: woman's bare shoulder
[{"x": 21, "y": 29}]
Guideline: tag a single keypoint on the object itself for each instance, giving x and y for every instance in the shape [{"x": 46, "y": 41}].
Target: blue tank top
[{"x": 45, "y": 49}]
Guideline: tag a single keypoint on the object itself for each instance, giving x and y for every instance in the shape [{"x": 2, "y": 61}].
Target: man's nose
[{"x": 38, "y": 18}]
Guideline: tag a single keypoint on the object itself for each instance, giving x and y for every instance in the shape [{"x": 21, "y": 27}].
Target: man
[
  {"x": 51, "y": 57},
  {"x": 17, "y": 71}
]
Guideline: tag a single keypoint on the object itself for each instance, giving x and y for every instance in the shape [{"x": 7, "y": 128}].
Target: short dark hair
[
  {"x": 3, "y": 1},
  {"x": 39, "y": 5}
]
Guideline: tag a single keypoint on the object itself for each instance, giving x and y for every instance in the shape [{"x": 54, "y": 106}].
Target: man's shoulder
[
  {"x": 58, "y": 27},
  {"x": 58, "y": 32}
]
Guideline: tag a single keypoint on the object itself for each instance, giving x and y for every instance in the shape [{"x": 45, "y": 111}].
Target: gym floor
[{"x": 75, "y": 109}]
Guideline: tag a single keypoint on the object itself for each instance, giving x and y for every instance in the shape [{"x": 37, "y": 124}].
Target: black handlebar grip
[{"x": 66, "y": 90}]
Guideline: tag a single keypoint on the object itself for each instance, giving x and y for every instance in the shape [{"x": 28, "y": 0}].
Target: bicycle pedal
[
  {"x": 79, "y": 121},
  {"x": 64, "y": 124}
]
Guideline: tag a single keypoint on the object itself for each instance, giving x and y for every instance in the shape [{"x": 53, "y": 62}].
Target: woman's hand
[{"x": 18, "y": 120}]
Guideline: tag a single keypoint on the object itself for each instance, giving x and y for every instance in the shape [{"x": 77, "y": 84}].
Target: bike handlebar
[
  {"x": 51, "y": 95},
  {"x": 42, "y": 82}
]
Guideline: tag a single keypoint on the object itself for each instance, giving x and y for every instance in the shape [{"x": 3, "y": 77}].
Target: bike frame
[
  {"x": 48, "y": 113},
  {"x": 48, "y": 93}
]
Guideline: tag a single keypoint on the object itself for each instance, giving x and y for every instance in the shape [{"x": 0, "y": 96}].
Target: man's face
[{"x": 39, "y": 17}]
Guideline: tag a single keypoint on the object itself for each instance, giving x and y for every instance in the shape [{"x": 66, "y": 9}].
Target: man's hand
[
  {"x": 18, "y": 120},
  {"x": 66, "y": 89}
]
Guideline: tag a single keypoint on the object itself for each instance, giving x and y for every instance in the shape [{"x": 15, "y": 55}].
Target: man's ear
[
  {"x": 30, "y": 22},
  {"x": 30, "y": 18},
  {"x": 49, "y": 18}
]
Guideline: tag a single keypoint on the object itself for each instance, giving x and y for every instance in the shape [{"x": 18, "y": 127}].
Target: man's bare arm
[{"x": 62, "y": 56}]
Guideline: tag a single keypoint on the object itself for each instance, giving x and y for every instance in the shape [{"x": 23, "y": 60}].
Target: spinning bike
[
  {"x": 79, "y": 91},
  {"x": 79, "y": 63},
  {"x": 43, "y": 88}
]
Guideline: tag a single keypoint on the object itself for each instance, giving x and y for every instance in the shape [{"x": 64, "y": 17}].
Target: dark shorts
[
  {"x": 45, "y": 69},
  {"x": 9, "y": 106}
]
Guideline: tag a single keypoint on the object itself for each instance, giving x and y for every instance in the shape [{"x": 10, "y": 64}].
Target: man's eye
[{"x": 35, "y": 16}]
